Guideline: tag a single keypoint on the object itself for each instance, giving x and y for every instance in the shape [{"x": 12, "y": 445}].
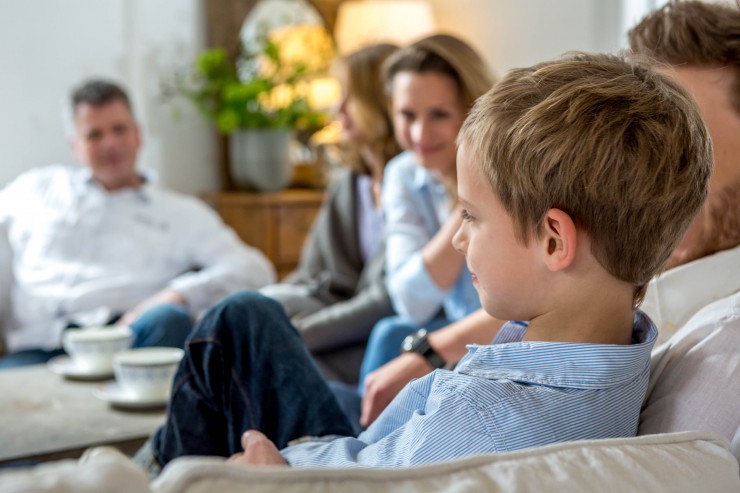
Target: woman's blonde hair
[
  {"x": 447, "y": 55},
  {"x": 362, "y": 69}
]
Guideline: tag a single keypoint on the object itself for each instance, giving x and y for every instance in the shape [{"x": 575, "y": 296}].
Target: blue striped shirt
[{"x": 501, "y": 397}]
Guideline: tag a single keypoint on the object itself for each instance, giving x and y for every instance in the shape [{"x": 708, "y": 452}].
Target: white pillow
[
  {"x": 695, "y": 379},
  {"x": 100, "y": 470},
  {"x": 680, "y": 462}
]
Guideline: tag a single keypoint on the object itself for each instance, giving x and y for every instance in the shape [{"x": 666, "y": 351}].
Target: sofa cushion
[
  {"x": 695, "y": 376},
  {"x": 679, "y": 462}
]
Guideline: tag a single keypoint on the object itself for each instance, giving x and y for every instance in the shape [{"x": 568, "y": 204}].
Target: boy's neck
[{"x": 597, "y": 316}]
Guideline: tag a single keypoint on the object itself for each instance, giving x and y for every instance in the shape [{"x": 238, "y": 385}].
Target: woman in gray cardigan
[{"x": 337, "y": 293}]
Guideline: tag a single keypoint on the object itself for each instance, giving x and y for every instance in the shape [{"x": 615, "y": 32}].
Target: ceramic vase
[{"x": 260, "y": 159}]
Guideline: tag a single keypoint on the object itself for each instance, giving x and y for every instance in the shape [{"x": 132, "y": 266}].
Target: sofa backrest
[{"x": 695, "y": 376}]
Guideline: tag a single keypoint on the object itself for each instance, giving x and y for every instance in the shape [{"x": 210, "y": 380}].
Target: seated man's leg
[
  {"x": 163, "y": 325},
  {"x": 27, "y": 357},
  {"x": 245, "y": 367},
  {"x": 384, "y": 343}
]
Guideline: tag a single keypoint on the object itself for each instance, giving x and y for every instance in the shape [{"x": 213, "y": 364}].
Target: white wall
[
  {"x": 517, "y": 33},
  {"x": 48, "y": 46}
]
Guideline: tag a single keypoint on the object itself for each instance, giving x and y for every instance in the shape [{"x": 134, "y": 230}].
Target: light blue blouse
[{"x": 416, "y": 205}]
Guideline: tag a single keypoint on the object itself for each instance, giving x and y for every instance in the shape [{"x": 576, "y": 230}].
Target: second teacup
[{"x": 147, "y": 373}]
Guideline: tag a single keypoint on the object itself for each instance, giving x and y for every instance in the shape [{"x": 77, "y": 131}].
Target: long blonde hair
[{"x": 362, "y": 69}]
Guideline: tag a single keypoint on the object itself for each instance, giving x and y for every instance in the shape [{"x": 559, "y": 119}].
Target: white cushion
[
  {"x": 695, "y": 379},
  {"x": 100, "y": 470},
  {"x": 680, "y": 462}
]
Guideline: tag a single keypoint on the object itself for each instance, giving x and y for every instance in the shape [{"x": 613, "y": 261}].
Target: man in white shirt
[
  {"x": 100, "y": 244},
  {"x": 695, "y": 382}
]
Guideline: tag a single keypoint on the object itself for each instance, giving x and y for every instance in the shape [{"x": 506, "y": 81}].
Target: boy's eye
[{"x": 466, "y": 215}]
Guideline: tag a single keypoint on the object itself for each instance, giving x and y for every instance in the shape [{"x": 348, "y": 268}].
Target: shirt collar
[
  {"x": 563, "y": 364},
  {"x": 83, "y": 179},
  {"x": 675, "y": 295}
]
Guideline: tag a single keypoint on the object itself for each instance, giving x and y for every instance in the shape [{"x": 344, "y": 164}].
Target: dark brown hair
[
  {"x": 695, "y": 33},
  {"x": 98, "y": 93}
]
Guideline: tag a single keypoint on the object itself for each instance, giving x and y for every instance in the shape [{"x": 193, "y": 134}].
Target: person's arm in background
[
  {"x": 441, "y": 260},
  {"x": 225, "y": 264},
  {"x": 413, "y": 238},
  {"x": 350, "y": 321},
  {"x": 382, "y": 385}
]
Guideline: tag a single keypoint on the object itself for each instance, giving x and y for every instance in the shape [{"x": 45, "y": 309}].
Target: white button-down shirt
[
  {"x": 676, "y": 295},
  {"x": 82, "y": 254}
]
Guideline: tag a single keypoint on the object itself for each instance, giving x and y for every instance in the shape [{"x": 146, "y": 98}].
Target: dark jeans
[{"x": 245, "y": 367}]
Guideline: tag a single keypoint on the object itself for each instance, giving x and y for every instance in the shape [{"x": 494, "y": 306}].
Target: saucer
[
  {"x": 65, "y": 366},
  {"x": 115, "y": 395}
]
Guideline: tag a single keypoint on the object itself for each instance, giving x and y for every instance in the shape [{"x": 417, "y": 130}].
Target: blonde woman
[
  {"x": 432, "y": 84},
  {"x": 337, "y": 292}
]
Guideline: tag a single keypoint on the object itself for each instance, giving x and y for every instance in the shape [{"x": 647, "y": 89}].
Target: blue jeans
[
  {"x": 385, "y": 341},
  {"x": 163, "y": 325},
  {"x": 245, "y": 367}
]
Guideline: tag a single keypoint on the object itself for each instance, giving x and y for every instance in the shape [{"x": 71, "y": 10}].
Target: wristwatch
[{"x": 418, "y": 343}]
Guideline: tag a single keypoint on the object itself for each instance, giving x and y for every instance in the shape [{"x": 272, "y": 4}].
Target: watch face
[{"x": 408, "y": 343}]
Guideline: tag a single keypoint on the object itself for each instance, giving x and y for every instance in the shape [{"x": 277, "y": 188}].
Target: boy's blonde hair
[
  {"x": 618, "y": 147},
  {"x": 693, "y": 33}
]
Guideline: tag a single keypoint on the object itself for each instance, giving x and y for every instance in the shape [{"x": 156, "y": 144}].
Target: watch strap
[{"x": 418, "y": 343}]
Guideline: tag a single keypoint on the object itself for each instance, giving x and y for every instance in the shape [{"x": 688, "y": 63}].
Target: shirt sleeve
[
  {"x": 412, "y": 430},
  {"x": 225, "y": 264},
  {"x": 412, "y": 290}
]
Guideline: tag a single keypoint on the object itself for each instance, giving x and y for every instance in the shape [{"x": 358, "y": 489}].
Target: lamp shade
[{"x": 363, "y": 22}]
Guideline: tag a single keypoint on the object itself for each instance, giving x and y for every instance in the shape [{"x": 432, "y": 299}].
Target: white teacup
[
  {"x": 93, "y": 348},
  {"x": 147, "y": 373}
]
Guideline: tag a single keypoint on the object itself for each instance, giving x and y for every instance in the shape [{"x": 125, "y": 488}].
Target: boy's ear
[{"x": 558, "y": 237}]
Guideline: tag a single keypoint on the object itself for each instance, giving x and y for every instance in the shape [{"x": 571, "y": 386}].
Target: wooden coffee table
[{"x": 45, "y": 417}]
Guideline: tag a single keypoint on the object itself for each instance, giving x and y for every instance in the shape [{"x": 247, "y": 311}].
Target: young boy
[{"x": 578, "y": 177}]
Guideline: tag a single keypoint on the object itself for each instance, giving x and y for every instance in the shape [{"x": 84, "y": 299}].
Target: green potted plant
[{"x": 263, "y": 99}]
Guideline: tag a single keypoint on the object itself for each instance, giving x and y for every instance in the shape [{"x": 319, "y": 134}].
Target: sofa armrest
[{"x": 100, "y": 470}]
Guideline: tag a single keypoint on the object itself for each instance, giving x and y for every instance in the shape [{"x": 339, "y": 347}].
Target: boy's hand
[
  {"x": 258, "y": 451},
  {"x": 382, "y": 385}
]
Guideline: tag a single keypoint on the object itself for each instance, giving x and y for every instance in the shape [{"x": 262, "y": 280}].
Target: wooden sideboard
[{"x": 276, "y": 223}]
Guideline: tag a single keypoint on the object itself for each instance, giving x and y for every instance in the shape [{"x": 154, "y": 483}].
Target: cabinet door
[{"x": 276, "y": 223}]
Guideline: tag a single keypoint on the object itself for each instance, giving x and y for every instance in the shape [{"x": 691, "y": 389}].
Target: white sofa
[
  {"x": 699, "y": 366},
  {"x": 677, "y": 462}
]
